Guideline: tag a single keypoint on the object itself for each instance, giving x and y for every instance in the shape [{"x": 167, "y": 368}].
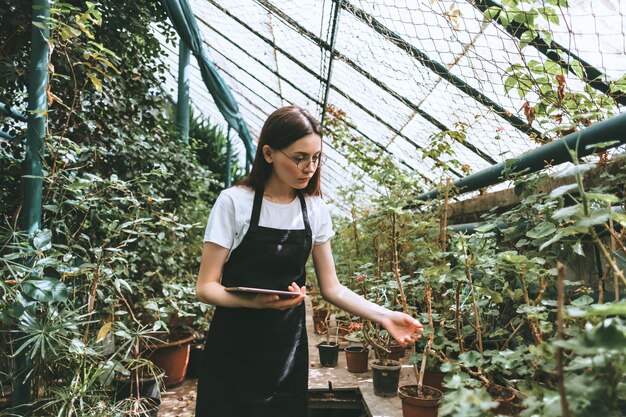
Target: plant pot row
[{"x": 386, "y": 380}]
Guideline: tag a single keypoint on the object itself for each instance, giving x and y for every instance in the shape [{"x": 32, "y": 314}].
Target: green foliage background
[{"x": 124, "y": 203}]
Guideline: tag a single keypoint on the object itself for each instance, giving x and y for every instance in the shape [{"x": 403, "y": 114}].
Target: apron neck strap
[{"x": 256, "y": 211}]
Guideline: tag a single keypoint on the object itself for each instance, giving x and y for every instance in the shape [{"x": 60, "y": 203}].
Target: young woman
[{"x": 260, "y": 234}]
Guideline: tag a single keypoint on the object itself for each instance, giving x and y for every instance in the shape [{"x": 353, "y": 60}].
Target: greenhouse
[{"x": 173, "y": 175}]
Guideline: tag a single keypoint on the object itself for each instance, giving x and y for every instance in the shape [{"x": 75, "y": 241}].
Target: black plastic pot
[
  {"x": 386, "y": 378},
  {"x": 329, "y": 353}
]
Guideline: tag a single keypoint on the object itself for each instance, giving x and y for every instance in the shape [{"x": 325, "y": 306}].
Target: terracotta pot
[
  {"x": 356, "y": 358},
  {"x": 434, "y": 378},
  {"x": 172, "y": 358},
  {"x": 329, "y": 353},
  {"x": 386, "y": 378},
  {"x": 425, "y": 406}
]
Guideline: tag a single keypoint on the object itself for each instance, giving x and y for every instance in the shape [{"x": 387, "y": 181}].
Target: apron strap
[
  {"x": 256, "y": 210},
  {"x": 305, "y": 215}
]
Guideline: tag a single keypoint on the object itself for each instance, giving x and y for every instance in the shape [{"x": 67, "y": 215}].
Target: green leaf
[
  {"x": 579, "y": 70},
  {"x": 492, "y": 12},
  {"x": 575, "y": 169},
  {"x": 607, "y": 198},
  {"x": 471, "y": 358},
  {"x": 45, "y": 290},
  {"x": 43, "y": 240},
  {"x": 607, "y": 309},
  {"x": 596, "y": 217},
  {"x": 585, "y": 300},
  {"x": 96, "y": 82},
  {"x": 557, "y": 192},
  {"x": 542, "y": 230},
  {"x": 527, "y": 37},
  {"x": 578, "y": 249},
  {"x": 567, "y": 212}
]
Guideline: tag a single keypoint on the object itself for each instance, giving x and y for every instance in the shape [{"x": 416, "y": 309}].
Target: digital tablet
[{"x": 281, "y": 294}]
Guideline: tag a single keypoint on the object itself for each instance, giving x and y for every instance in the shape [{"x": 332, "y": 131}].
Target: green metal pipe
[
  {"x": 229, "y": 152},
  {"x": 30, "y": 220},
  {"x": 12, "y": 112},
  {"x": 182, "y": 105},
  {"x": 553, "y": 153}
]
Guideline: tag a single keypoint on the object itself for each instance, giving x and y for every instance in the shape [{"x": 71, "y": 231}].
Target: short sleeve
[
  {"x": 325, "y": 225},
  {"x": 220, "y": 228}
]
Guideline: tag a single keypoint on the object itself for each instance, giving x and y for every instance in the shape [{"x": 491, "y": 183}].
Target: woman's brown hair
[{"x": 282, "y": 128}]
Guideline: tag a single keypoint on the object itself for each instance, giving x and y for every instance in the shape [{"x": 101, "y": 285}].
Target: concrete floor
[{"x": 180, "y": 401}]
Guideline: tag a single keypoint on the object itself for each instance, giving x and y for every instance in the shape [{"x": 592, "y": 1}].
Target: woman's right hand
[{"x": 274, "y": 301}]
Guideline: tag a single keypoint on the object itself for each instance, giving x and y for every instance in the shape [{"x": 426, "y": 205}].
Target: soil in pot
[
  {"x": 357, "y": 358},
  {"x": 329, "y": 353},
  {"x": 426, "y": 405},
  {"x": 386, "y": 378}
]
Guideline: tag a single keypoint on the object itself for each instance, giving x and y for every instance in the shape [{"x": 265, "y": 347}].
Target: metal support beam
[
  {"x": 593, "y": 76},
  {"x": 554, "y": 153},
  {"x": 32, "y": 179},
  {"x": 331, "y": 57},
  {"x": 229, "y": 152},
  {"x": 182, "y": 104}
]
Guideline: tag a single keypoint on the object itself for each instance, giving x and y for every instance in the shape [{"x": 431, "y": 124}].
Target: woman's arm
[
  {"x": 400, "y": 326},
  {"x": 211, "y": 291}
]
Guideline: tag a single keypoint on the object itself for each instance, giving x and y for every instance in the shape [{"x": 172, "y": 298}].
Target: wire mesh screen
[{"x": 491, "y": 80}]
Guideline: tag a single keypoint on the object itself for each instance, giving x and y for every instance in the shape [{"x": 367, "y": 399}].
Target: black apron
[{"x": 256, "y": 362}]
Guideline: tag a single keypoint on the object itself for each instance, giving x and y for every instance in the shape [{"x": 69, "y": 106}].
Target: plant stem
[
  {"x": 559, "y": 350},
  {"x": 609, "y": 259},
  {"x": 457, "y": 318},
  {"x": 431, "y": 337},
  {"x": 396, "y": 261},
  {"x": 356, "y": 232},
  {"x": 615, "y": 240},
  {"x": 468, "y": 273}
]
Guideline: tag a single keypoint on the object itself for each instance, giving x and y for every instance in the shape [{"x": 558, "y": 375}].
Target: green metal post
[
  {"x": 182, "y": 105},
  {"x": 33, "y": 172},
  {"x": 227, "y": 178},
  {"x": 554, "y": 153}
]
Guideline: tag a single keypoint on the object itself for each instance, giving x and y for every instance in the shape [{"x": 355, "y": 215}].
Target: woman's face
[{"x": 285, "y": 161}]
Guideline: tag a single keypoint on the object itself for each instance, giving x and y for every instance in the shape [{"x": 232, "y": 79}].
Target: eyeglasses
[{"x": 302, "y": 163}]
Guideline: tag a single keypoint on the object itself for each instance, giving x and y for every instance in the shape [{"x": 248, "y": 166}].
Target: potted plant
[
  {"x": 328, "y": 350},
  {"x": 419, "y": 399},
  {"x": 183, "y": 317},
  {"x": 357, "y": 355}
]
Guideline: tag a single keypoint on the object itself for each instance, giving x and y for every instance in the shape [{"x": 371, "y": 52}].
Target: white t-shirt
[{"x": 230, "y": 217}]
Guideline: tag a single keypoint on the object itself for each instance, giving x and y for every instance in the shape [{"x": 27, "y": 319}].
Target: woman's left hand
[{"x": 402, "y": 327}]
